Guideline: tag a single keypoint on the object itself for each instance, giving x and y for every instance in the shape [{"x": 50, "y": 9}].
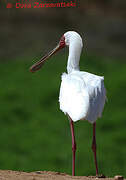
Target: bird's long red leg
[
  {"x": 73, "y": 145},
  {"x": 94, "y": 147}
]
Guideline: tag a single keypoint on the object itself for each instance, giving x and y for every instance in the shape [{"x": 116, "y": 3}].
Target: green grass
[{"x": 35, "y": 134}]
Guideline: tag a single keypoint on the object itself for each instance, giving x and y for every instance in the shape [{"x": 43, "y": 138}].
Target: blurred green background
[{"x": 34, "y": 133}]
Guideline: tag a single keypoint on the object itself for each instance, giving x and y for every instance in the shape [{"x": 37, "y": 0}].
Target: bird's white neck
[{"x": 74, "y": 56}]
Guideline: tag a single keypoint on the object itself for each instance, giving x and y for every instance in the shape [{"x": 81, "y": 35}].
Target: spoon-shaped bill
[{"x": 40, "y": 63}]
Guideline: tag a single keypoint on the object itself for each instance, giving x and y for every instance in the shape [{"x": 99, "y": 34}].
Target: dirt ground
[{"x": 45, "y": 175}]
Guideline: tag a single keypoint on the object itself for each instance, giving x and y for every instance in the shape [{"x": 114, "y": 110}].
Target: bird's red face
[
  {"x": 40, "y": 63},
  {"x": 62, "y": 42}
]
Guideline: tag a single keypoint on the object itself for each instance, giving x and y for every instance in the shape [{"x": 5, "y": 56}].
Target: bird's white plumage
[{"x": 82, "y": 94}]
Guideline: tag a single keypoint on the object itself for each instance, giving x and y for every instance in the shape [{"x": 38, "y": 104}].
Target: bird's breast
[{"x": 73, "y": 98}]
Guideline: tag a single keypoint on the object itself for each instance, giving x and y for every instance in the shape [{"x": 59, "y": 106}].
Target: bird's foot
[{"x": 100, "y": 176}]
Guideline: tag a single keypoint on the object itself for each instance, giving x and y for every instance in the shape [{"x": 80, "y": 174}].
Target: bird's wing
[{"x": 97, "y": 96}]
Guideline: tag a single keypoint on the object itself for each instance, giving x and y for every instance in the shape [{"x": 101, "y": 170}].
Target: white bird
[{"x": 82, "y": 94}]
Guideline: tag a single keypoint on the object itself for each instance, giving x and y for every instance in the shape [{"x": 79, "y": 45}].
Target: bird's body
[{"x": 82, "y": 94}]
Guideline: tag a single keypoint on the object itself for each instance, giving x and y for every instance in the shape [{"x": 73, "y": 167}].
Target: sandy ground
[{"x": 43, "y": 175}]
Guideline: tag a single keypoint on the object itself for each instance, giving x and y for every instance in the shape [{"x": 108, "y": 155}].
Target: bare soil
[{"x": 44, "y": 175}]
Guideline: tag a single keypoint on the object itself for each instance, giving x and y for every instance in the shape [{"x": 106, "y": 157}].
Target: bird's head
[{"x": 64, "y": 41}]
